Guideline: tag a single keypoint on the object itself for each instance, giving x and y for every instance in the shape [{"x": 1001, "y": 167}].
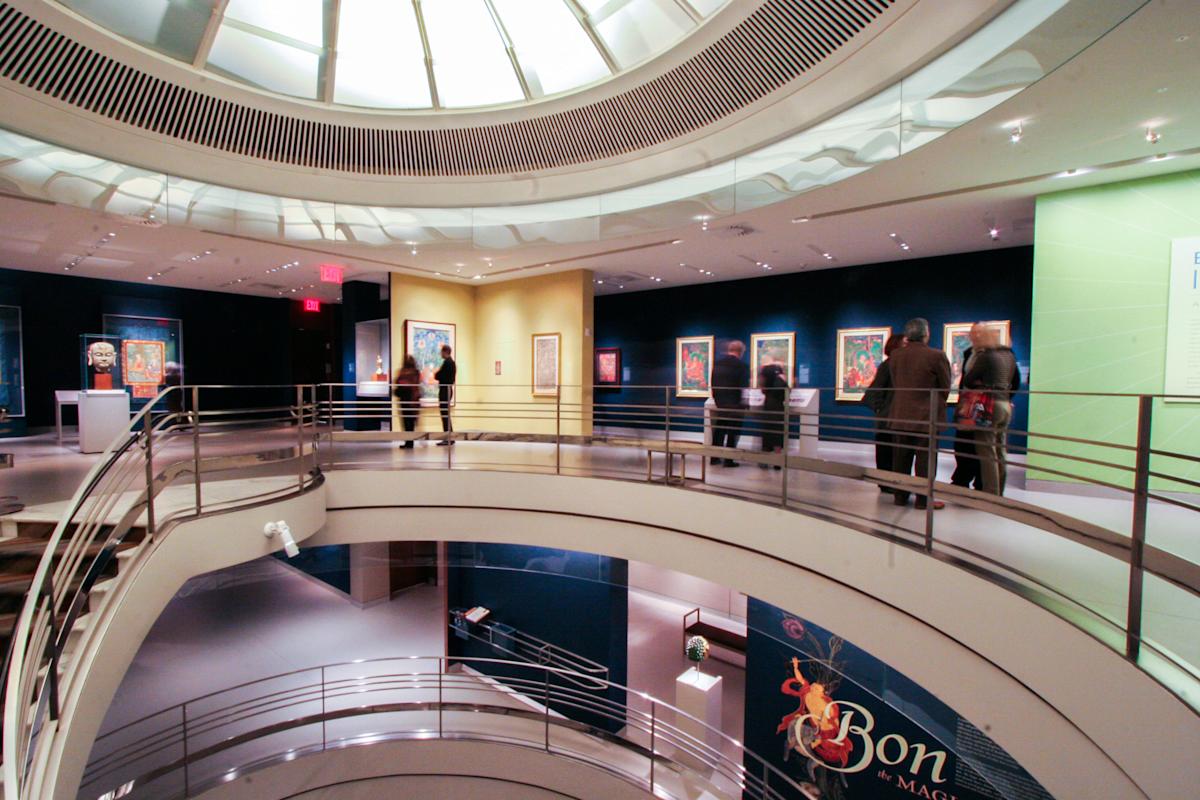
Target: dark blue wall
[
  {"x": 227, "y": 338},
  {"x": 360, "y": 302},
  {"x": 898, "y": 705},
  {"x": 329, "y": 564},
  {"x": 578, "y": 601},
  {"x": 994, "y": 284}
]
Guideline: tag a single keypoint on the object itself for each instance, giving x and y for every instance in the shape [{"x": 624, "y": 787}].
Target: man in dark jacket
[
  {"x": 730, "y": 376},
  {"x": 445, "y": 376},
  {"x": 995, "y": 370},
  {"x": 921, "y": 378},
  {"x": 966, "y": 460}
]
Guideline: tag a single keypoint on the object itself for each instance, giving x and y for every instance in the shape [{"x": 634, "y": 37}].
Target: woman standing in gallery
[
  {"x": 774, "y": 385},
  {"x": 878, "y": 398},
  {"x": 408, "y": 392}
]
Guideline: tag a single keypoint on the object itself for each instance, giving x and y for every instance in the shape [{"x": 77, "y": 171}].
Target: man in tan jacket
[{"x": 921, "y": 377}]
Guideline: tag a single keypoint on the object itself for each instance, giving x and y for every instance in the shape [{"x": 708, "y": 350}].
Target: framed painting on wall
[
  {"x": 608, "y": 366},
  {"x": 12, "y": 367},
  {"x": 693, "y": 366},
  {"x": 772, "y": 348},
  {"x": 143, "y": 362},
  {"x": 547, "y": 363},
  {"x": 956, "y": 338},
  {"x": 859, "y": 354},
  {"x": 423, "y": 341}
]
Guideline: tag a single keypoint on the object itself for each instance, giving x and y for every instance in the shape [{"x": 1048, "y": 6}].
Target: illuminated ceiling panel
[{"x": 407, "y": 54}]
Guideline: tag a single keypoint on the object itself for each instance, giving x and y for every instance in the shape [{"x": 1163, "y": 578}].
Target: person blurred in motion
[
  {"x": 995, "y": 371},
  {"x": 966, "y": 460},
  {"x": 920, "y": 377},
  {"x": 408, "y": 392},
  {"x": 730, "y": 376},
  {"x": 878, "y": 398},
  {"x": 774, "y": 385}
]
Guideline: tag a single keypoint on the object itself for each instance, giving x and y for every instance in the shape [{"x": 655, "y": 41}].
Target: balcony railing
[{"x": 190, "y": 438}]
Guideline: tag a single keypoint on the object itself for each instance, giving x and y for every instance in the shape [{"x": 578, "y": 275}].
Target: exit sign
[
  {"x": 312, "y": 304},
  {"x": 331, "y": 273}
]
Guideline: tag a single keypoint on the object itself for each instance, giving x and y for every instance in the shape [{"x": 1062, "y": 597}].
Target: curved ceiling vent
[{"x": 780, "y": 41}]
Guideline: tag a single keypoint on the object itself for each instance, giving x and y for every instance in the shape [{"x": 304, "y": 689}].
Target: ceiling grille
[{"x": 780, "y": 41}]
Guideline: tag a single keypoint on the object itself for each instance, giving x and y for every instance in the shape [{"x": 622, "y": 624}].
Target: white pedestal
[
  {"x": 699, "y": 694},
  {"x": 373, "y": 389},
  {"x": 103, "y": 414},
  {"x": 805, "y": 405}
]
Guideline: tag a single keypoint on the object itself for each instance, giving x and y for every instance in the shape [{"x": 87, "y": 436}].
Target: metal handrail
[
  {"x": 182, "y": 736},
  {"x": 146, "y": 458}
]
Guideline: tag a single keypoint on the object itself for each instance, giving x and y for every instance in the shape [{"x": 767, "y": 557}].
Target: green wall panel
[{"x": 1101, "y": 265}]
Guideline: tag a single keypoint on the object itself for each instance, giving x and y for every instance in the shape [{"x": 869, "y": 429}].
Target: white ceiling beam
[
  {"x": 508, "y": 48},
  {"x": 329, "y": 76},
  {"x": 597, "y": 40},
  {"x": 434, "y": 100},
  {"x": 210, "y": 34}
]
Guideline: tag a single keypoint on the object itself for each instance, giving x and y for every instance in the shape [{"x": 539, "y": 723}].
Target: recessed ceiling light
[
  {"x": 677, "y": 241},
  {"x": 1016, "y": 133},
  {"x": 801, "y": 219},
  {"x": 1152, "y": 136}
]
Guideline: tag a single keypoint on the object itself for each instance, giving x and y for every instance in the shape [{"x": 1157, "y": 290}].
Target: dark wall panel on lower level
[
  {"x": 988, "y": 285},
  {"x": 577, "y": 601}
]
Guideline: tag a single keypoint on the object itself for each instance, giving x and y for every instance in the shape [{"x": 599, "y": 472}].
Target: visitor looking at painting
[
  {"x": 878, "y": 398},
  {"x": 993, "y": 371},
  {"x": 730, "y": 376},
  {"x": 408, "y": 392},
  {"x": 921, "y": 378},
  {"x": 445, "y": 376}
]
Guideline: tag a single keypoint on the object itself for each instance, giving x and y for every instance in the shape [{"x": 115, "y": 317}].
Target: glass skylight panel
[
  {"x": 380, "y": 59},
  {"x": 470, "y": 62},
  {"x": 705, "y": 7},
  {"x": 301, "y": 20},
  {"x": 553, "y": 49},
  {"x": 265, "y": 62},
  {"x": 172, "y": 27},
  {"x": 638, "y": 29}
]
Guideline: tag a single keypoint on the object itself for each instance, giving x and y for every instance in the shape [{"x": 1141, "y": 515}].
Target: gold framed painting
[
  {"x": 693, "y": 366},
  {"x": 772, "y": 348},
  {"x": 859, "y": 354},
  {"x": 956, "y": 338},
  {"x": 547, "y": 363}
]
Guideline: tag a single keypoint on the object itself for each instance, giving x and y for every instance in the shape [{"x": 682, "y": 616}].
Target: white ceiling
[{"x": 943, "y": 198}]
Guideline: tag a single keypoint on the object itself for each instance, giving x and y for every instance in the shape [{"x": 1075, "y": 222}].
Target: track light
[
  {"x": 1015, "y": 135},
  {"x": 994, "y": 232},
  {"x": 1152, "y": 136},
  {"x": 285, "y": 535}
]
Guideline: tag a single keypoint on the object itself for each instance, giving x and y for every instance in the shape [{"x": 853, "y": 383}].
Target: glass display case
[
  {"x": 12, "y": 364},
  {"x": 150, "y": 352},
  {"x": 100, "y": 362},
  {"x": 372, "y": 357}
]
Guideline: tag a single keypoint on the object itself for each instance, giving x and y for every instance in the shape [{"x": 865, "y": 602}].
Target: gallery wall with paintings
[
  {"x": 149, "y": 337},
  {"x": 826, "y": 328},
  {"x": 526, "y": 343},
  {"x": 1117, "y": 309}
]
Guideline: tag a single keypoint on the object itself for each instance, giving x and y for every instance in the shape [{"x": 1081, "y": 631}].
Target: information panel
[{"x": 1183, "y": 322}]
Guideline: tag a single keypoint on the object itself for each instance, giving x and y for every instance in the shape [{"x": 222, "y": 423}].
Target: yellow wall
[
  {"x": 432, "y": 301},
  {"x": 507, "y": 316},
  {"x": 496, "y": 322}
]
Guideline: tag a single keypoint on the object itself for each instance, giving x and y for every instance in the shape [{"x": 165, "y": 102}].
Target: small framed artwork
[
  {"x": 772, "y": 348},
  {"x": 142, "y": 361},
  {"x": 956, "y": 338},
  {"x": 423, "y": 341},
  {"x": 547, "y": 363},
  {"x": 859, "y": 354},
  {"x": 608, "y": 366},
  {"x": 693, "y": 366}
]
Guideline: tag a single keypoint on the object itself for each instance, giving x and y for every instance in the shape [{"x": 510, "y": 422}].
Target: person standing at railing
[
  {"x": 967, "y": 469},
  {"x": 408, "y": 392},
  {"x": 921, "y": 377},
  {"x": 995, "y": 371},
  {"x": 774, "y": 385},
  {"x": 730, "y": 376},
  {"x": 878, "y": 398},
  {"x": 445, "y": 376}
]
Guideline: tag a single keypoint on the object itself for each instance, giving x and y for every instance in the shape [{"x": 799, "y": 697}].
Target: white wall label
[{"x": 1183, "y": 322}]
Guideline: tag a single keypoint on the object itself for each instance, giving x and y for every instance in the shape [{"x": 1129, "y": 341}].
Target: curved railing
[
  {"x": 286, "y": 435},
  {"x": 184, "y": 749}
]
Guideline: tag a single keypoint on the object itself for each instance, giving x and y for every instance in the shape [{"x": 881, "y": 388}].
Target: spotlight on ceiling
[
  {"x": 801, "y": 219},
  {"x": 1016, "y": 133},
  {"x": 994, "y": 232},
  {"x": 1152, "y": 136}
]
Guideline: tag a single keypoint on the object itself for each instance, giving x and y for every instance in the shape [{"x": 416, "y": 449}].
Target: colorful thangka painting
[
  {"x": 956, "y": 339},
  {"x": 608, "y": 366},
  {"x": 424, "y": 341},
  {"x": 142, "y": 361},
  {"x": 772, "y": 348},
  {"x": 859, "y": 354},
  {"x": 693, "y": 366},
  {"x": 545, "y": 363}
]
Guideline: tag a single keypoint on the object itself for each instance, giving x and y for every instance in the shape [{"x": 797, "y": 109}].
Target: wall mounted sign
[
  {"x": 1182, "y": 369},
  {"x": 331, "y": 273},
  {"x": 312, "y": 304}
]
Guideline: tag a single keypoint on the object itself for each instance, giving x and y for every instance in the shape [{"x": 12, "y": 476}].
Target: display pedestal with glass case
[
  {"x": 372, "y": 361},
  {"x": 103, "y": 415}
]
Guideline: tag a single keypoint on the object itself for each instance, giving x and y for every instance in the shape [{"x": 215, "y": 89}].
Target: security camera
[{"x": 285, "y": 535}]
